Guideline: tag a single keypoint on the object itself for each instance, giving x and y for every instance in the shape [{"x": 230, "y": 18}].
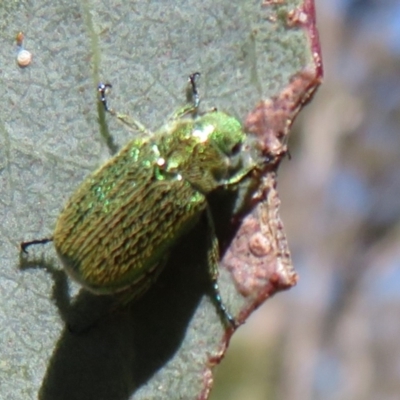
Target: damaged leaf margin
[{"x": 258, "y": 258}]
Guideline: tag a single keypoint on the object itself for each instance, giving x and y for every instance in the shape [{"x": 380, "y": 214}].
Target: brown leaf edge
[{"x": 258, "y": 258}]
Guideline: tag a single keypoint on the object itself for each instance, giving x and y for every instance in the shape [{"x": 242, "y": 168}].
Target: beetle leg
[
  {"x": 25, "y": 245},
  {"x": 192, "y": 93},
  {"x": 193, "y": 99},
  {"x": 242, "y": 174},
  {"x": 213, "y": 260},
  {"x": 126, "y": 120}
]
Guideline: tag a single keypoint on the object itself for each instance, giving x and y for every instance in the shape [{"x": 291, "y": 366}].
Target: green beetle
[{"x": 116, "y": 231}]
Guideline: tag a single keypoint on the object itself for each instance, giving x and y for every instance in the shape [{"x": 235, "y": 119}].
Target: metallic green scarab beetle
[{"x": 116, "y": 230}]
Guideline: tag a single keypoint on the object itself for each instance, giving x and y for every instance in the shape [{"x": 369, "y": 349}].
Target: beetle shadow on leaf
[
  {"x": 60, "y": 294},
  {"x": 126, "y": 347}
]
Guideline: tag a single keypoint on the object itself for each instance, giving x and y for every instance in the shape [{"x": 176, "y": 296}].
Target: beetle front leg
[
  {"x": 132, "y": 123},
  {"x": 242, "y": 174},
  {"x": 193, "y": 99}
]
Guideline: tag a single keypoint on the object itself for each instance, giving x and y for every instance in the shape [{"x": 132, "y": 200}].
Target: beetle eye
[{"x": 236, "y": 148}]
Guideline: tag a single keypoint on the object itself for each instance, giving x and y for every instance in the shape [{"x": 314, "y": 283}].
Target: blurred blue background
[{"x": 336, "y": 335}]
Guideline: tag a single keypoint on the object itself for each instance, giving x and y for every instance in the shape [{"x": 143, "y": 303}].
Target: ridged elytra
[{"x": 117, "y": 229}]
